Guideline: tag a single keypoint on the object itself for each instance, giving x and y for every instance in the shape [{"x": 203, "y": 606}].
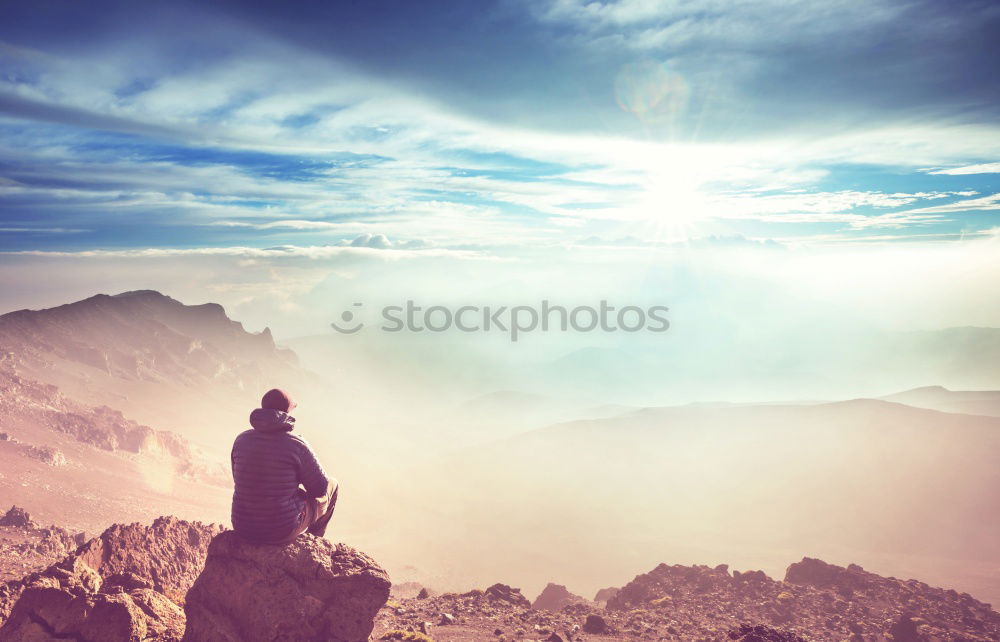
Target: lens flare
[{"x": 650, "y": 90}]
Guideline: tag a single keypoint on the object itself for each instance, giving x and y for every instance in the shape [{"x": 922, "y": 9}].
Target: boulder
[
  {"x": 596, "y": 624},
  {"x": 310, "y": 589}
]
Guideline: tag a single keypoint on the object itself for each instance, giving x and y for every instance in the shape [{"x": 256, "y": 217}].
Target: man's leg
[{"x": 324, "y": 509}]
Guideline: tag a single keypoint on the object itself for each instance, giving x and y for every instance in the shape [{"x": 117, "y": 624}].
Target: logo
[
  {"x": 514, "y": 321},
  {"x": 347, "y": 317}
]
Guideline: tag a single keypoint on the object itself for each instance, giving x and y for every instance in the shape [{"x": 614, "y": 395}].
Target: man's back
[{"x": 269, "y": 464}]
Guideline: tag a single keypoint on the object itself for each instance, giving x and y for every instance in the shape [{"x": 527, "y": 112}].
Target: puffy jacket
[{"x": 269, "y": 464}]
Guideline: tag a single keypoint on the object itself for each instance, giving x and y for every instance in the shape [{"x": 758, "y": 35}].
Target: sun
[{"x": 672, "y": 206}]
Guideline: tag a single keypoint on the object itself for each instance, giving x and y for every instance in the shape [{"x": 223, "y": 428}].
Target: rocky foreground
[
  {"x": 816, "y": 601},
  {"x": 175, "y": 581}
]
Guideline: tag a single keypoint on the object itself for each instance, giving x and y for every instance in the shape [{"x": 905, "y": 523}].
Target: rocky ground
[
  {"x": 816, "y": 601},
  {"x": 26, "y": 547},
  {"x": 175, "y": 579}
]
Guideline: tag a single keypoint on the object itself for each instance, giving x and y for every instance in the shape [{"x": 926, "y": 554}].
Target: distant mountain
[
  {"x": 694, "y": 365},
  {"x": 143, "y": 353},
  {"x": 115, "y": 407},
  {"x": 970, "y": 402}
]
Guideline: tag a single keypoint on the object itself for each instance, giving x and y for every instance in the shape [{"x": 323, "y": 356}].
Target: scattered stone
[
  {"x": 446, "y": 619},
  {"x": 760, "y": 633}
]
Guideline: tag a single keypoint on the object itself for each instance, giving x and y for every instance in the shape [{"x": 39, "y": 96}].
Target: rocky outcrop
[
  {"x": 504, "y": 593},
  {"x": 70, "y": 603},
  {"x": 310, "y": 589},
  {"x": 131, "y": 584},
  {"x": 134, "y": 575},
  {"x": 25, "y": 548},
  {"x": 22, "y": 537},
  {"x": 814, "y": 572},
  {"x": 166, "y": 556},
  {"x": 17, "y": 517},
  {"x": 555, "y": 596}
]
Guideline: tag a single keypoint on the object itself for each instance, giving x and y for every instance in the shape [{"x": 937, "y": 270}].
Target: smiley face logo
[{"x": 347, "y": 317}]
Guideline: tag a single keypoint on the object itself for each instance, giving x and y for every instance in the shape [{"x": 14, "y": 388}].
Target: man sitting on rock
[{"x": 281, "y": 489}]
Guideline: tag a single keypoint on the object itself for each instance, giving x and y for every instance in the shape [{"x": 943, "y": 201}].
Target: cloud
[
  {"x": 406, "y": 250},
  {"x": 377, "y": 241},
  {"x": 649, "y": 24},
  {"x": 40, "y": 230},
  {"x": 291, "y": 224},
  {"x": 985, "y": 203},
  {"x": 711, "y": 241},
  {"x": 982, "y": 168},
  {"x": 259, "y": 145},
  {"x": 12, "y": 105}
]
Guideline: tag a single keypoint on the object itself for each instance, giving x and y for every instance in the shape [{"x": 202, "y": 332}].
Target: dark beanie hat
[{"x": 276, "y": 399}]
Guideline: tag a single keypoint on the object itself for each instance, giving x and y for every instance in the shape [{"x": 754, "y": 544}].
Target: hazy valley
[{"x": 122, "y": 408}]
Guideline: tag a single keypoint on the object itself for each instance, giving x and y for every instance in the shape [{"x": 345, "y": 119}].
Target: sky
[{"x": 259, "y": 153}]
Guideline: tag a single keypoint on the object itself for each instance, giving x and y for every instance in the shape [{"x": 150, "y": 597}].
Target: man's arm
[{"x": 311, "y": 474}]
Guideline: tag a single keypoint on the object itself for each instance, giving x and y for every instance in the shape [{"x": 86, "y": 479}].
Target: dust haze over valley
[{"x": 464, "y": 462}]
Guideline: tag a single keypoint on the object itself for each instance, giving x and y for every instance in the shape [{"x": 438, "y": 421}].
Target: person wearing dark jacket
[{"x": 281, "y": 490}]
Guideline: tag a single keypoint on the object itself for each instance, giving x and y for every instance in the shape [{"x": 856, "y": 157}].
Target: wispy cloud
[
  {"x": 40, "y": 230},
  {"x": 382, "y": 250},
  {"x": 982, "y": 168}
]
